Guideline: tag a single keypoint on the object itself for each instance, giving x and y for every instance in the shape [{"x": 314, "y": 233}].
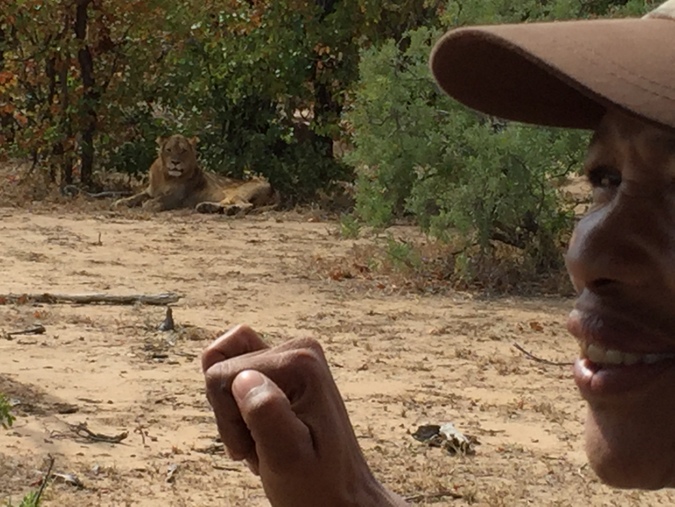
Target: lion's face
[{"x": 179, "y": 155}]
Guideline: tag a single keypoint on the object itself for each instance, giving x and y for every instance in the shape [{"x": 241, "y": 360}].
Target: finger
[
  {"x": 219, "y": 374},
  {"x": 234, "y": 432},
  {"x": 281, "y": 438},
  {"x": 231, "y": 426},
  {"x": 237, "y": 341}
]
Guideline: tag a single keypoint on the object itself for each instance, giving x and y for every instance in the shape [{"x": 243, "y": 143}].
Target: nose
[{"x": 616, "y": 245}]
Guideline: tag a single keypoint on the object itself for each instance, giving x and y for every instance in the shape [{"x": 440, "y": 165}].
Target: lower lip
[{"x": 596, "y": 381}]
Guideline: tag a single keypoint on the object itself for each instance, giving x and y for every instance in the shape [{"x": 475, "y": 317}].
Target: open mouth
[
  {"x": 612, "y": 357},
  {"x": 603, "y": 381},
  {"x": 601, "y": 373},
  {"x": 603, "y": 369}
]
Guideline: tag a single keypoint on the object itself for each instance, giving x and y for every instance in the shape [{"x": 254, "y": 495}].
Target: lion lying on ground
[{"x": 177, "y": 181}]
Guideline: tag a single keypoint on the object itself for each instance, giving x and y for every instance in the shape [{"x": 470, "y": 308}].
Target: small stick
[
  {"x": 434, "y": 496},
  {"x": 44, "y": 481},
  {"x": 39, "y": 329},
  {"x": 538, "y": 359},
  {"x": 49, "y": 298},
  {"x": 141, "y": 429},
  {"x": 81, "y": 430}
]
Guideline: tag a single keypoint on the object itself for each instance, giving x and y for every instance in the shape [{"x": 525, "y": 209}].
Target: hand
[{"x": 280, "y": 410}]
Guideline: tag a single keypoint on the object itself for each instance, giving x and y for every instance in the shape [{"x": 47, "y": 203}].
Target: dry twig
[
  {"x": 39, "y": 329},
  {"x": 48, "y": 474},
  {"x": 82, "y": 431},
  {"x": 446, "y": 493},
  {"x": 539, "y": 359}
]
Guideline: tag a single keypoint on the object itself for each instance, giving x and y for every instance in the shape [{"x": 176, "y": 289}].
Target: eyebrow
[
  {"x": 592, "y": 155},
  {"x": 663, "y": 141},
  {"x": 602, "y": 135}
]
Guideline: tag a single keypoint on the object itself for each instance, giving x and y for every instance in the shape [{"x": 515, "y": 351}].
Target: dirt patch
[{"x": 400, "y": 359}]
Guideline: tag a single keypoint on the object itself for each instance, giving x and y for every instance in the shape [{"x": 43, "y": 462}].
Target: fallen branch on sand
[
  {"x": 39, "y": 329},
  {"x": 446, "y": 493},
  {"x": 111, "y": 299},
  {"x": 81, "y": 430},
  {"x": 539, "y": 359}
]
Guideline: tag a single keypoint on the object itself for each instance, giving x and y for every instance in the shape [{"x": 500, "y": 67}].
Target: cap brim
[{"x": 562, "y": 74}]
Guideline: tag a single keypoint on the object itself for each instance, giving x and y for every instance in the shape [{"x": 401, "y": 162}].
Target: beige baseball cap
[{"x": 564, "y": 73}]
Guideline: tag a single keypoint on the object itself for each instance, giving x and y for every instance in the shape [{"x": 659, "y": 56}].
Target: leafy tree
[
  {"x": 64, "y": 63},
  {"x": 90, "y": 84}
]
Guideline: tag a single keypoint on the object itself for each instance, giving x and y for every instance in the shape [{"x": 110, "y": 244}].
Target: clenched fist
[{"x": 280, "y": 410}]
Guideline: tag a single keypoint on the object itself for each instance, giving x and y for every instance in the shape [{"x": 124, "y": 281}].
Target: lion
[{"x": 178, "y": 181}]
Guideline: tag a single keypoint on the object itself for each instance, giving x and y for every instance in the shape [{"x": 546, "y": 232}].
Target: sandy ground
[{"x": 400, "y": 360}]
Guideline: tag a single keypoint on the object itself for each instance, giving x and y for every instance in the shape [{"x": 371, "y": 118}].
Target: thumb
[{"x": 282, "y": 440}]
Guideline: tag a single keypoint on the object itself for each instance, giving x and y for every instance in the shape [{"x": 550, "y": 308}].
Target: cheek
[{"x": 574, "y": 253}]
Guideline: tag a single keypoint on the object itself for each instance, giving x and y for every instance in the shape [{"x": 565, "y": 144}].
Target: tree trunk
[
  {"x": 90, "y": 95},
  {"x": 6, "y": 119},
  {"x": 66, "y": 128},
  {"x": 57, "y": 148},
  {"x": 325, "y": 106}
]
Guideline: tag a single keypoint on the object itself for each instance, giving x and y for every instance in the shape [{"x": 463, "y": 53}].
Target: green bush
[
  {"x": 458, "y": 173},
  {"x": 420, "y": 153},
  {"x": 6, "y": 417}
]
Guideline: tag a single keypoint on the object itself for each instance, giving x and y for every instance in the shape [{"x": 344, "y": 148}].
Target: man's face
[{"x": 622, "y": 263}]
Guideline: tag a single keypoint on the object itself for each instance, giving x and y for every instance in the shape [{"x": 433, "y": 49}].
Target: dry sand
[{"x": 400, "y": 360}]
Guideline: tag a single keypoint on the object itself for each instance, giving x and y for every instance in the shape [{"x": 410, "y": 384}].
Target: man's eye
[{"x": 604, "y": 177}]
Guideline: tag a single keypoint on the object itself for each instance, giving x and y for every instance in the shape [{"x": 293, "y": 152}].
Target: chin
[{"x": 631, "y": 450}]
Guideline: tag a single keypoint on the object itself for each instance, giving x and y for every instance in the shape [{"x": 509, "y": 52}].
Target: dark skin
[
  {"x": 280, "y": 410},
  {"x": 622, "y": 263}
]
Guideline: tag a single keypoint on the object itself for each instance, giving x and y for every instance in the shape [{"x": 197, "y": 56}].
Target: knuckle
[
  {"x": 239, "y": 340},
  {"x": 212, "y": 380},
  {"x": 218, "y": 378},
  {"x": 232, "y": 337},
  {"x": 210, "y": 356},
  {"x": 309, "y": 359},
  {"x": 309, "y": 344},
  {"x": 241, "y": 331}
]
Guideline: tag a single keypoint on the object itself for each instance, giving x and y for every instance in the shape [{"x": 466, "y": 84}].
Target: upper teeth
[{"x": 600, "y": 355}]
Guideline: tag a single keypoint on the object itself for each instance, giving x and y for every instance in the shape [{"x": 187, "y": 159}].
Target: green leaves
[
  {"x": 6, "y": 417},
  {"x": 457, "y": 172},
  {"x": 264, "y": 84}
]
